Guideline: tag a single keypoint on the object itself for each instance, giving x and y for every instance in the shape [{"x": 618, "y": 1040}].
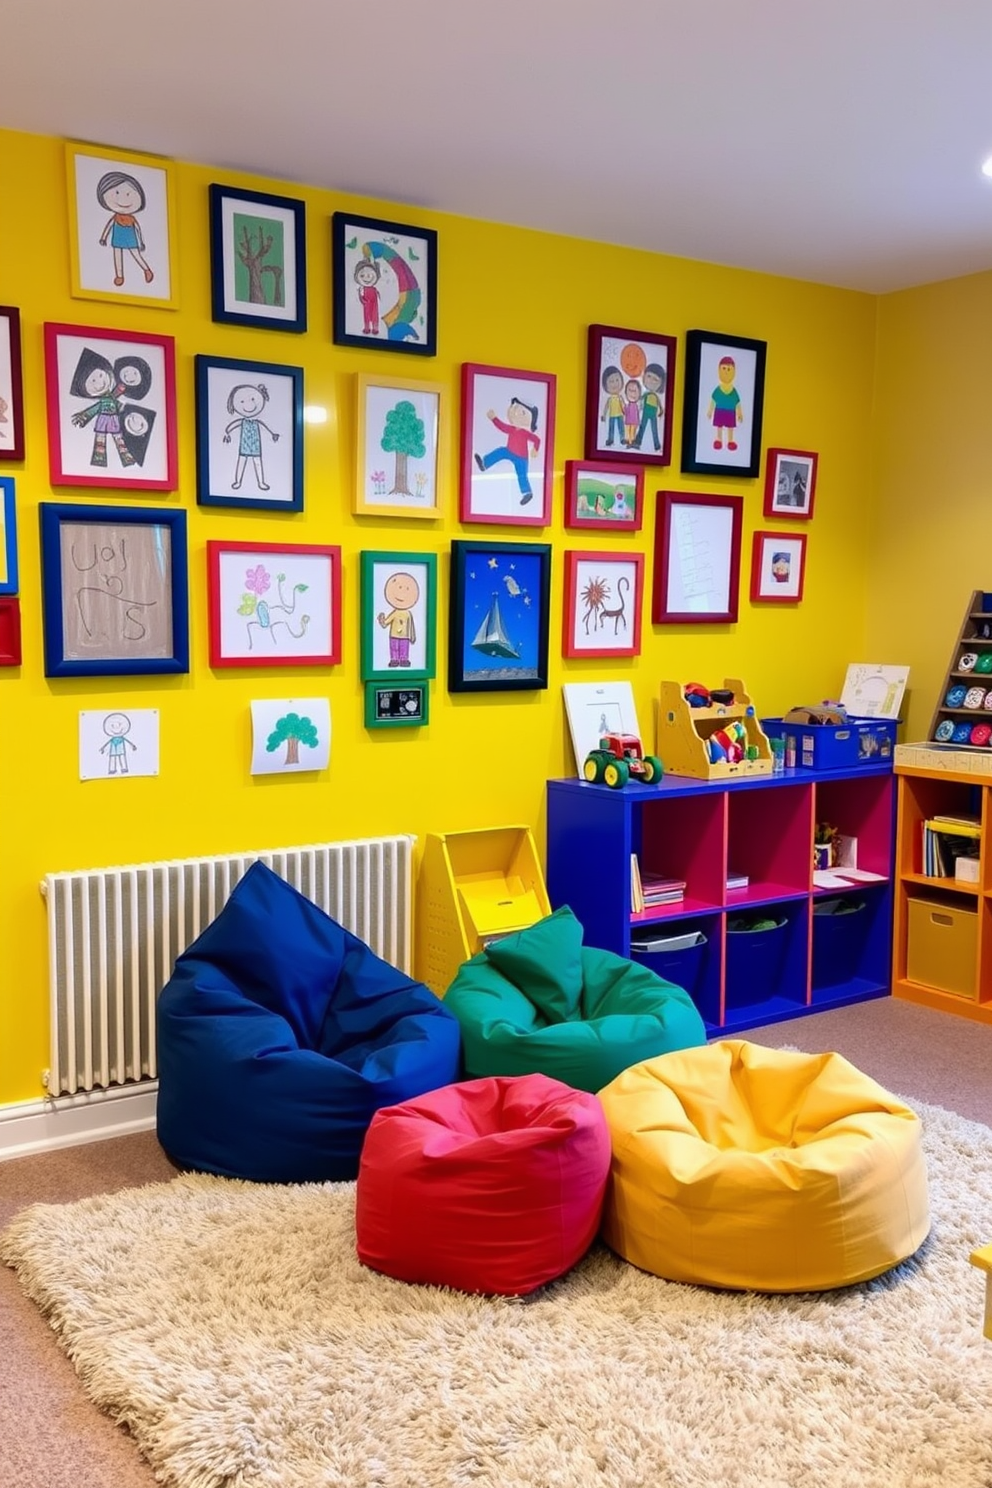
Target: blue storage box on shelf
[
  {"x": 827, "y": 746},
  {"x": 677, "y": 957},
  {"x": 840, "y": 928}
]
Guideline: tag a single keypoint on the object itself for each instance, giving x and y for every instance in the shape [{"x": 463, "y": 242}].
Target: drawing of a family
[{"x": 633, "y": 408}]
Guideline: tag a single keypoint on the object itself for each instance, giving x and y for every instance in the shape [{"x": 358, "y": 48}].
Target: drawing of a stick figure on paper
[{"x": 117, "y": 726}]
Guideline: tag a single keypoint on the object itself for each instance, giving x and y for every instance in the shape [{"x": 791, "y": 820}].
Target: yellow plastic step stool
[{"x": 472, "y": 888}]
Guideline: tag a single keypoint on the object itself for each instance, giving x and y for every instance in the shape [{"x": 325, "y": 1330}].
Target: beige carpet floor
[{"x": 231, "y": 1328}]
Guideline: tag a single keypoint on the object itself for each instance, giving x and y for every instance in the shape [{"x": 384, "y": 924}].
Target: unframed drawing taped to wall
[
  {"x": 290, "y": 735},
  {"x": 114, "y": 743}
]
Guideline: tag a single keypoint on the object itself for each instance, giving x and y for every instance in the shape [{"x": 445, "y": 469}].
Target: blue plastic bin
[
  {"x": 827, "y": 746},
  {"x": 755, "y": 959},
  {"x": 838, "y": 941},
  {"x": 683, "y": 966}
]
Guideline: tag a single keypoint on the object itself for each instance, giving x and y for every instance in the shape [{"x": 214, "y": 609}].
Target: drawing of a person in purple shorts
[{"x": 725, "y": 405}]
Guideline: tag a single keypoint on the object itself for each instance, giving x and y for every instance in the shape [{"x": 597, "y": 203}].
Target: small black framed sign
[{"x": 396, "y": 707}]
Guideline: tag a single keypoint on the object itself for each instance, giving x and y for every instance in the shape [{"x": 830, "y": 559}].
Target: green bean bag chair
[{"x": 540, "y": 1002}]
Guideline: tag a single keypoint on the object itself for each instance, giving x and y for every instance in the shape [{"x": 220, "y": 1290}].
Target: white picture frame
[{"x": 590, "y": 705}]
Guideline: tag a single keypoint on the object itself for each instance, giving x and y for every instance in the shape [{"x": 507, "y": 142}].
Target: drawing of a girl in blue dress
[
  {"x": 247, "y": 401},
  {"x": 123, "y": 197}
]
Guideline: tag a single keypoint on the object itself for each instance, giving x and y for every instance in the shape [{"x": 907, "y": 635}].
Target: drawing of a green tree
[
  {"x": 292, "y": 730},
  {"x": 403, "y": 436}
]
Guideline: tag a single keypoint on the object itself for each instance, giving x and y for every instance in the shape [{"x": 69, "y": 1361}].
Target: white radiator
[{"x": 114, "y": 934}]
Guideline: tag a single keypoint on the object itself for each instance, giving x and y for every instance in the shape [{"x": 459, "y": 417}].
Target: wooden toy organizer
[
  {"x": 975, "y": 636},
  {"x": 684, "y": 733}
]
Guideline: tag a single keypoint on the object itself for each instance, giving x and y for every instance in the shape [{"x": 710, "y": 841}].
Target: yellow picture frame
[
  {"x": 122, "y": 225},
  {"x": 401, "y": 452}
]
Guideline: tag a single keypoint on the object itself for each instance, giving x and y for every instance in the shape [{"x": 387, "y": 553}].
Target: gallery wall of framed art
[{"x": 299, "y": 399}]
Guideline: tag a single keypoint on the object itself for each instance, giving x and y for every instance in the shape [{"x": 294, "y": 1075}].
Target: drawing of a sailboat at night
[{"x": 491, "y": 637}]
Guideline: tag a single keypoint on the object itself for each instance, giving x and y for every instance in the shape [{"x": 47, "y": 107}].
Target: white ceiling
[{"x": 831, "y": 140}]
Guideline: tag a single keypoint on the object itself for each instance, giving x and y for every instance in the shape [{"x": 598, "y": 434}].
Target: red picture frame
[
  {"x": 131, "y": 442},
  {"x": 601, "y": 601},
  {"x": 790, "y": 484},
  {"x": 12, "y": 390},
  {"x": 635, "y": 355},
  {"x": 596, "y": 489},
  {"x": 10, "y": 631},
  {"x": 697, "y": 559},
  {"x": 778, "y": 567},
  {"x": 248, "y": 629},
  {"x": 498, "y": 484}
]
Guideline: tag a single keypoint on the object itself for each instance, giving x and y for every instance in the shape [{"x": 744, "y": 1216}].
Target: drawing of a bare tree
[{"x": 253, "y": 249}]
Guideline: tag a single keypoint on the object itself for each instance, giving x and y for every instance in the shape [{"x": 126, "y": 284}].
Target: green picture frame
[
  {"x": 398, "y": 593},
  {"x": 389, "y": 706}
]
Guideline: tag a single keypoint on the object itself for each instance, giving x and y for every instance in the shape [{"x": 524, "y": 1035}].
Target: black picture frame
[
  {"x": 506, "y": 588},
  {"x": 409, "y": 255},
  {"x": 287, "y": 216},
  {"x": 725, "y": 454}
]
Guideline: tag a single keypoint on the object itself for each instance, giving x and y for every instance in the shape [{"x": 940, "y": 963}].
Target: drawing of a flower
[{"x": 258, "y": 580}]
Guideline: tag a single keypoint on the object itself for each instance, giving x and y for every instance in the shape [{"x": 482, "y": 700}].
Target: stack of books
[
  {"x": 649, "y": 890},
  {"x": 946, "y": 838},
  {"x": 737, "y": 880}
]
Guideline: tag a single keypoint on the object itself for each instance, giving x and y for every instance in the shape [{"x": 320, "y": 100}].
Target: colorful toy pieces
[
  {"x": 698, "y": 696},
  {"x": 728, "y": 743}
]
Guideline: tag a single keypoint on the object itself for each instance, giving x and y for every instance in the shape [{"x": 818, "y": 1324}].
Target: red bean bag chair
[{"x": 493, "y": 1185}]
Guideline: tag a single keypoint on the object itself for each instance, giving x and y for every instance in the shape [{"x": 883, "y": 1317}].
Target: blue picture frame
[
  {"x": 270, "y": 410},
  {"x": 287, "y": 219},
  {"x": 8, "y": 583},
  {"x": 127, "y": 613},
  {"x": 498, "y": 618}
]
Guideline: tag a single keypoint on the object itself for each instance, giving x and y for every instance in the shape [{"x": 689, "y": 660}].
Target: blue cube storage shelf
[{"x": 701, "y": 832}]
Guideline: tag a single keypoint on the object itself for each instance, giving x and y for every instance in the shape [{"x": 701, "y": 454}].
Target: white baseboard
[{"x": 70, "y": 1120}]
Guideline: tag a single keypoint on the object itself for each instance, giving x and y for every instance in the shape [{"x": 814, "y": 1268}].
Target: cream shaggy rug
[{"x": 231, "y": 1328}]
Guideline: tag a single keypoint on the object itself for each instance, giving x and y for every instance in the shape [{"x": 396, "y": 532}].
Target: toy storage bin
[
  {"x": 755, "y": 957},
  {"x": 840, "y": 927},
  {"x": 942, "y": 947},
  {"x": 675, "y": 953},
  {"x": 827, "y": 746}
]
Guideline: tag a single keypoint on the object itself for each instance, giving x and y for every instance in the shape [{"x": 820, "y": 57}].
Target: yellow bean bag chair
[{"x": 745, "y": 1167}]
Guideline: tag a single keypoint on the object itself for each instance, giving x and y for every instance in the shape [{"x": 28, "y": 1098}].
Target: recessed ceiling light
[
  {"x": 987, "y": 167},
  {"x": 314, "y": 414}
]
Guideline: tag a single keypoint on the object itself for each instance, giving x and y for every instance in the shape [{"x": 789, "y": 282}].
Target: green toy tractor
[{"x": 618, "y": 759}]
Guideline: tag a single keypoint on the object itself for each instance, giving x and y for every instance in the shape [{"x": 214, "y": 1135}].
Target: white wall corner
[{"x": 70, "y": 1120}]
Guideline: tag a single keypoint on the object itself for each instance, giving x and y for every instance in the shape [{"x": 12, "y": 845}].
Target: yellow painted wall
[
  {"x": 931, "y": 535},
  {"x": 506, "y": 296}
]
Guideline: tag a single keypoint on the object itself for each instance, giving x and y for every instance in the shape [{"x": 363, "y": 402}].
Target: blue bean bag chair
[
  {"x": 280, "y": 1034},
  {"x": 541, "y": 1002}
]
